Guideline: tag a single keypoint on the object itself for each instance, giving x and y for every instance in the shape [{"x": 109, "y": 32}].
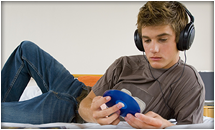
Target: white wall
[{"x": 86, "y": 37}]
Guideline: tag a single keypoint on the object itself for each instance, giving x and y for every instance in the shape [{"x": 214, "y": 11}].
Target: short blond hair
[{"x": 155, "y": 13}]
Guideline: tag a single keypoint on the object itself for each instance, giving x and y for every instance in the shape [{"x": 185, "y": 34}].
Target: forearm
[{"x": 85, "y": 111}]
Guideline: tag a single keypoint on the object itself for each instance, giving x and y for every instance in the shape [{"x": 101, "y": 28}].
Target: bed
[{"x": 33, "y": 90}]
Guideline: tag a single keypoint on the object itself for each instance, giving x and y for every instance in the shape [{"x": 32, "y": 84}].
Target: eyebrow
[{"x": 160, "y": 35}]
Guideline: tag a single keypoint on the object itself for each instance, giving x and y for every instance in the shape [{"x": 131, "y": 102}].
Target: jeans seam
[
  {"x": 35, "y": 69},
  {"x": 13, "y": 81}
]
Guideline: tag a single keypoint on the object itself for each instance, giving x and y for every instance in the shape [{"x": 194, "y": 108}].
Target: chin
[{"x": 157, "y": 66}]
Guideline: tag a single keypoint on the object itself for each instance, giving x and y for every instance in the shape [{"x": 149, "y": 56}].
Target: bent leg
[
  {"x": 28, "y": 60},
  {"x": 17, "y": 71}
]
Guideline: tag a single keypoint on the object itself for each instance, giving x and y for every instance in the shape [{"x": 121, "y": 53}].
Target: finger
[
  {"x": 130, "y": 120},
  {"x": 107, "y": 112},
  {"x": 151, "y": 114},
  {"x": 149, "y": 119},
  {"x": 98, "y": 101},
  {"x": 115, "y": 122},
  {"x": 114, "y": 109},
  {"x": 137, "y": 123},
  {"x": 109, "y": 120}
]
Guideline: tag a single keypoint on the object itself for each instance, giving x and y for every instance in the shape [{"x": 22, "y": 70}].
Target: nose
[{"x": 154, "y": 48}]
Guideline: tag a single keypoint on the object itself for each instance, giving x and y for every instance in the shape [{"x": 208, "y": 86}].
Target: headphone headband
[{"x": 189, "y": 14}]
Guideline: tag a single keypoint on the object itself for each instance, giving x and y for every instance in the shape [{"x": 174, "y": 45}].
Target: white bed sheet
[{"x": 121, "y": 125}]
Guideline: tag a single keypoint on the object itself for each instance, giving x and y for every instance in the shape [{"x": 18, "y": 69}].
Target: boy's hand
[
  {"x": 105, "y": 116},
  {"x": 150, "y": 120}
]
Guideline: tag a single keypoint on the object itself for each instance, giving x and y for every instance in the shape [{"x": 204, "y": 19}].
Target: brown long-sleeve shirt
[{"x": 184, "y": 94}]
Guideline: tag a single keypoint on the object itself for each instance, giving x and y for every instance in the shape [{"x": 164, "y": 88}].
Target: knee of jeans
[{"x": 28, "y": 46}]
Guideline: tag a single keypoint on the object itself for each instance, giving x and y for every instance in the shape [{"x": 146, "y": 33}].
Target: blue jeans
[{"x": 59, "y": 88}]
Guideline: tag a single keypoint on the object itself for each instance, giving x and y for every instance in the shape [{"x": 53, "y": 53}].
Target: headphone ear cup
[
  {"x": 138, "y": 41},
  {"x": 186, "y": 37}
]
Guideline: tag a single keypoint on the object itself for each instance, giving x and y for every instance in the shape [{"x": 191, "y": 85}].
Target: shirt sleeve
[
  {"x": 109, "y": 79},
  {"x": 190, "y": 102}
]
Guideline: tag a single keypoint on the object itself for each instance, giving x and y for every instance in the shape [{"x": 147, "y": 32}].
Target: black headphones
[{"x": 185, "y": 39}]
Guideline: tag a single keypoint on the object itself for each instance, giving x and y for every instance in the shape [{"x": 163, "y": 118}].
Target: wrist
[{"x": 167, "y": 124}]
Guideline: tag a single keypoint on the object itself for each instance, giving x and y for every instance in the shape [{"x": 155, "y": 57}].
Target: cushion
[{"x": 89, "y": 80}]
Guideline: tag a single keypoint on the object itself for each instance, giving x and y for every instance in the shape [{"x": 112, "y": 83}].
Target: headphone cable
[{"x": 166, "y": 103}]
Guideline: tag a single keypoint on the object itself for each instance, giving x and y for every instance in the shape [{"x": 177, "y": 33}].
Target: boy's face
[{"x": 160, "y": 46}]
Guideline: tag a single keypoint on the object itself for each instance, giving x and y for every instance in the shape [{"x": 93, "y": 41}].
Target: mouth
[{"x": 155, "y": 58}]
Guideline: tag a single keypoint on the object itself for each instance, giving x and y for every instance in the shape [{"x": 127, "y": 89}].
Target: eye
[
  {"x": 147, "y": 41},
  {"x": 162, "y": 40}
]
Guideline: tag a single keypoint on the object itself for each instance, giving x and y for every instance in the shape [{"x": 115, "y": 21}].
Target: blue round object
[{"x": 130, "y": 104}]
